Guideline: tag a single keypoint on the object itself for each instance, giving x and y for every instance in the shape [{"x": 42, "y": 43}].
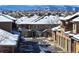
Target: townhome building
[
  {"x": 42, "y": 24},
  {"x": 8, "y": 42},
  {"x": 13, "y": 19},
  {"x": 64, "y": 36},
  {"x": 5, "y": 23}
]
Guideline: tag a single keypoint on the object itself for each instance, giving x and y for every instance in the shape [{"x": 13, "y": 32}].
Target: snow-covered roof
[
  {"x": 61, "y": 18},
  {"x": 26, "y": 20},
  {"x": 7, "y": 38},
  {"x": 5, "y": 19},
  {"x": 70, "y": 16},
  {"x": 75, "y": 14},
  {"x": 56, "y": 28},
  {"x": 34, "y": 17},
  {"x": 8, "y": 42},
  {"x": 67, "y": 32},
  {"x": 76, "y": 37},
  {"x": 76, "y": 19},
  {"x": 10, "y": 17},
  {"x": 43, "y": 21},
  {"x": 71, "y": 34},
  {"x": 66, "y": 18},
  {"x": 49, "y": 20},
  {"x": 35, "y": 20}
]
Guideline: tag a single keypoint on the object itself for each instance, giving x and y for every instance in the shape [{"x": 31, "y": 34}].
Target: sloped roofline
[{"x": 71, "y": 17}]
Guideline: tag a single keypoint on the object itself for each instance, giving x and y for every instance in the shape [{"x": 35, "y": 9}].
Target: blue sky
[{"x": 40, "y": 7}]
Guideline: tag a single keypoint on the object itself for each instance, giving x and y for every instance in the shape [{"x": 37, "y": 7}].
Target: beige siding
[
  {"x": 76, "y": 27},
  {"x": 77, "y": 47},
  {"x": 63, "y": 42}
]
